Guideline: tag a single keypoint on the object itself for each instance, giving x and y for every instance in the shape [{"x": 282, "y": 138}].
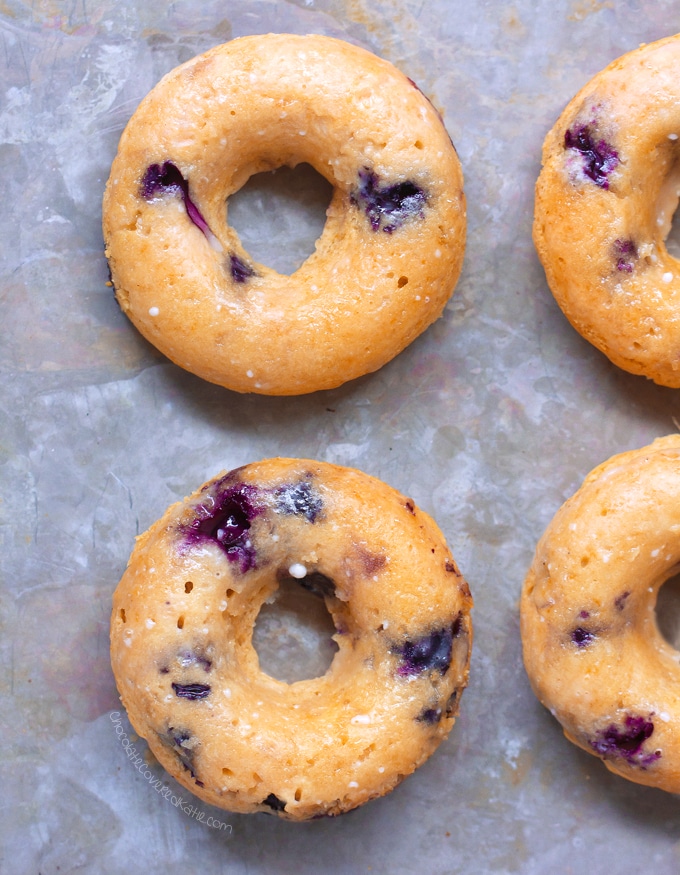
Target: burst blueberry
[
  {"x": 627, "y": 741},
  {"x": 166, "y": 178},
  {"x": 387, "y": 207},
  {"x": 431, "y": 716},
  {"x": 582, "y": 637},
  {"x": 599, "y": 158},
  {"x": 183, "y": 744},
  {"x": 224, "y": 518},
  {"x": 430, "y": 653}
]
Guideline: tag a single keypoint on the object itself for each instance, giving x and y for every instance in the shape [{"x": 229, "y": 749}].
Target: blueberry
[
  {"x": 430, "y": 653},
  {"x": 191, "y": 691},
  {"x": 182, "y": 743},
  {"x": 224, "y": 518},
  {"x": 627, "y": 742},
  {"x": 274, "y": 803},
  {"x": 599, "y": 158},
  {"x": 166, "y": 178},
  {"x": 582, "y": 637},
  {"x": 300, "y": 499},
  {"x": 240, "y": 270},
  {"x": 387, "y": 206},
  {"x": 430, "y": 716}
]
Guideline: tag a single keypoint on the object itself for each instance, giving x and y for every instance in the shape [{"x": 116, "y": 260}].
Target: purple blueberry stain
[
  {"x": 191, "y": 691},
  {"x": 627, "y": 741},
  {"x": 429, "y": 653},
  {"x": 224, "y": 518},
  {"x": 166, "y": 178},
  {"x": 620, "y": 600},
  {"x": 625, "y": 255},
  {"x": 187, "y": 658},
  {"x": 240, "y": 270},
  {"x": 299, "y": 499},
  {"x": 387, "y": 207},
  {"x": 599, "y": 158},
  {"x": 582, "y": 637}
]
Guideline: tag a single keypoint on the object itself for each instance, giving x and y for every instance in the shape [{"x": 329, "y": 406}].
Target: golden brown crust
[
  {"x": 605, "y": 199},
  {"x": 374, "y": 283},
  {"x": 182, "y": 622},
  {"x": 592, "y": 648}
]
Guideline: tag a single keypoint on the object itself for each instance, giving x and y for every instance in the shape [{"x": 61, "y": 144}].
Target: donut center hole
[
  {"x": 292, "y": 634},
  {"x": 673, "y": 238},
  {"x": 668, "y": 611},
  {"x": 280, "y": 215}
]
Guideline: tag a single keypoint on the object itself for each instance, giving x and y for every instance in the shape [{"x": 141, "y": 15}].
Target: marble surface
[{"x": 489, "y": 421}]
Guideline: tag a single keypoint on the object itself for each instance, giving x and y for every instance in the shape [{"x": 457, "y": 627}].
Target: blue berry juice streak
[
  {"x": 166, "y": 178},
  {"x": 387, "y": 207}
]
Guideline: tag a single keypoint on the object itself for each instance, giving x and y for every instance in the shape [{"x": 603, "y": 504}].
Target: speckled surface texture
[{"x": 489, "y": 422}]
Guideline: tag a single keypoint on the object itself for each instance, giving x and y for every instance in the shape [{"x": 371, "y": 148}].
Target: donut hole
[
  {"x": 279, "y": 215},
  {"x": 293, "y": 634},
  {"x": 673, "y": 237},
  {"x": 668, "y": 611}
]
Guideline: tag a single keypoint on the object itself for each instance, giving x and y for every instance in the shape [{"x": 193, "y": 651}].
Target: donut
[
  {"x": 605, "y": 199},
  {"x": 592, "y": 649},
  {"x": 385, "y": 263},
  {"x": 188, "y": 674}
]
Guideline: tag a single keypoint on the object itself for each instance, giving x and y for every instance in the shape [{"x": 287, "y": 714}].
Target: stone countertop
[{"x": 489, "y": 421}]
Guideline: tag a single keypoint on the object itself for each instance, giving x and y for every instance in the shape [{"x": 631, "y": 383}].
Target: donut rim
[
  {"x": 307, "y": 337},
  {"x": 160, "y": 538},
  {"x": 592, "y": 648}
]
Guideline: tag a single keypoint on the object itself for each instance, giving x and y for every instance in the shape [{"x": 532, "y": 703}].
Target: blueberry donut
[
  {"x": 592, "y": 649},
  {"x": 605, "y": 200},
  {"x": 385, "y": 264},
  {"x": 189, "y": 677}
]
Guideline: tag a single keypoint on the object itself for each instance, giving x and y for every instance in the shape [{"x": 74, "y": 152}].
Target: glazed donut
[
  {"x": 189, "y": 677},
  {"x": 592, "y": 648},
  {"x": 605, "y": 199},
  {"x": 385, "y": 264}
]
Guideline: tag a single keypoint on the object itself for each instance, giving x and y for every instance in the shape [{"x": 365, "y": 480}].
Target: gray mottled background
[{"x": 489, "y": 421}]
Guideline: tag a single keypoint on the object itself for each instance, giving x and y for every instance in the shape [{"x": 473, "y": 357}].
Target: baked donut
[
  {"x": 605, "y": 200},
  {"x": 188, "y": 675},
  {"x": 385, "y": 264},
  {"x": 592, "y": 648}
]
